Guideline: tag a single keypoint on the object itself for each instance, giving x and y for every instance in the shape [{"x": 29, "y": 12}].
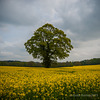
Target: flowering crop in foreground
[{"x": 51, "y": 84}]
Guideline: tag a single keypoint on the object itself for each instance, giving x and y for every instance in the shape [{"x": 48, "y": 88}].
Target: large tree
[{"x": 48, "y": 44}]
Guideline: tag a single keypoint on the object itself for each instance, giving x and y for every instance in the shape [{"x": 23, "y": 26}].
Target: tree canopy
[{"x": 48, "y": 44}]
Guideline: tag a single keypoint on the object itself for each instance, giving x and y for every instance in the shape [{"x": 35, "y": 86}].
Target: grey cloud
[
  {"x": 82, "y": 18},
  {"x": 86, "y": 50},
  {"x": 79, "y": 19},
  {"x": 22, "y": 12},
  {"x": 15, "y": 51},
  {"x": 12, "y": 50},
  {"x": 18, "y": 12}
]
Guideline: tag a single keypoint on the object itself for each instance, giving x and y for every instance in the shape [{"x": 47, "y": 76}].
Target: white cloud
[
  {"x": 3, "y": 53},
  {"x": 79, "y": 19},
  {"x": 86, "y": 50}
]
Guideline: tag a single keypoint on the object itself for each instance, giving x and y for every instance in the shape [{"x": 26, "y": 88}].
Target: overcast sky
[{"x": 79, "y": 19}]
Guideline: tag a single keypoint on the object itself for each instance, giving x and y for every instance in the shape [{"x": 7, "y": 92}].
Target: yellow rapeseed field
[{"x": 31, "y": 83}]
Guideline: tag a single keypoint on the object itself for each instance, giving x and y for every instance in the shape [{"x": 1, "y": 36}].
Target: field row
[{"x": 53, "y": 83}]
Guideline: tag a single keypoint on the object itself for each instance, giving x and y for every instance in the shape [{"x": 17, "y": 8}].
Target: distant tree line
[
  {"x": 20, "y": 63},
  {"x": 93, "y": 61}
]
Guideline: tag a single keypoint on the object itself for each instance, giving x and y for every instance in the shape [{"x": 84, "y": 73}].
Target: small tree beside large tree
[{"x": 48, "y": 44}]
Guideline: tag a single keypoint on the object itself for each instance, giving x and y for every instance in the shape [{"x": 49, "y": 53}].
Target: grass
[{"x": 65, "y": 83}]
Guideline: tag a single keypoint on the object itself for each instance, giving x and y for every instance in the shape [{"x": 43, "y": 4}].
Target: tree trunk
[{"x": 47, "y": 62}]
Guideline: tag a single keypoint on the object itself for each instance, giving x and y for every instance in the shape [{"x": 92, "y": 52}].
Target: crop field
[{"x": 64, "y": 83}]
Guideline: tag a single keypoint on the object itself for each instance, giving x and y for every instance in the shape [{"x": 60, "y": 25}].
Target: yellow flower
[
  {"x": 18, "y": 81},
  {"x": 61, "y": 93},
  {"x": 29, "y": 90},
  {"x": 14, "y": 94},
  {"x": 34, "y": 90},
  {"x": 22, "y": 94}
]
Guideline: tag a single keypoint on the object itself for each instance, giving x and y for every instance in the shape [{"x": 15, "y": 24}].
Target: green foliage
[
  {"x": 94, "y": 61},
  {"x": 48, "y": 44}
]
